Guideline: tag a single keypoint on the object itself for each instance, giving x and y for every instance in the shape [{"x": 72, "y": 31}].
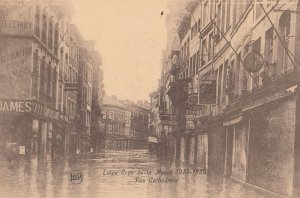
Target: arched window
[
  {"x": 284, "y": 63},
  {"x": 37, "y": 21}
]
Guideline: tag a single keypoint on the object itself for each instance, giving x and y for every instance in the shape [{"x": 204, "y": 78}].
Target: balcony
[{"x": 264, "y": 93}]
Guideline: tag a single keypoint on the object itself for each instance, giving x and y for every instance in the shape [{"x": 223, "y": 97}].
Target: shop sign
[
  {"x": 190, "y": 117},
  {"x": 44, "y": 111},
  {"x": 152, "y": 139},
  {"x": 15, "y": 106},
  {"x": 24, "y": 106},
  {"x": 207, "y": 90},
  {"x": 253, "y": 62},
  {"x": 190, "y": 125}
]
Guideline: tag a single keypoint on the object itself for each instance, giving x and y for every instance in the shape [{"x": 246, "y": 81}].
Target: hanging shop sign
[
  {"x": 190, "y": 125},
  {"x": 207, "y": 90},
  {"x": 253, "y": 62}
]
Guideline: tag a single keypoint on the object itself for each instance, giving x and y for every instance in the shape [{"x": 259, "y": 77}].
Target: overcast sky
[{"x": 130, "y": 35}]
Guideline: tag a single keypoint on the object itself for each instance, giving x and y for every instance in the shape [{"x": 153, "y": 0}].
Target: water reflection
[{"x": 50, "y": 178}]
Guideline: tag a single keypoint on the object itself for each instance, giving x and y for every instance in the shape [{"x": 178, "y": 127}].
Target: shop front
[
  {"x": 29, "y": 128},
  {"x": 271, "y": 147}
]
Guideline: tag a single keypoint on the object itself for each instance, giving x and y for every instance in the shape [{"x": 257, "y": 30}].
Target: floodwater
[{"x": 112, "y": 174}]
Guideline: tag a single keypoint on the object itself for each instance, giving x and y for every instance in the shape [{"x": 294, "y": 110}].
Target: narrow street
[
  {"x": 47, "y": 178},
  {"x": 152, "y": 98}
]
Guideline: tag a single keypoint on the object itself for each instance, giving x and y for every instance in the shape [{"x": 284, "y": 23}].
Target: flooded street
[{"x": 113, "y": 174}]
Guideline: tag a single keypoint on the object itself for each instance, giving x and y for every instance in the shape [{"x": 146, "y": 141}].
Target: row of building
[
  {"x": 125, "y": 123},
  {"x": 228, "y": 96},
  {"x": 51, "y": 89}
]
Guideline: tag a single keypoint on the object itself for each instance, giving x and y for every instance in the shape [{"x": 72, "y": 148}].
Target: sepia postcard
[{"x": 149, "y": 98}]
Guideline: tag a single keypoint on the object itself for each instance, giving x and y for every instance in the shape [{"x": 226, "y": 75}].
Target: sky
[{"x": 130, "y": 35}]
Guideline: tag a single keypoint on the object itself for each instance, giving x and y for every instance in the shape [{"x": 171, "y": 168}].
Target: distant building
[
  {"x": 126, "y": 123},
  {"x": 154, "y": 121},
  {"x": 116, "y": 118},
  {"x": 139, "y": 130}
]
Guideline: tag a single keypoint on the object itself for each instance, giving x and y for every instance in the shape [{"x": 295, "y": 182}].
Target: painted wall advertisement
[
  {"x": 16, "y": 19},
  {"x": 15, "y": 68}
]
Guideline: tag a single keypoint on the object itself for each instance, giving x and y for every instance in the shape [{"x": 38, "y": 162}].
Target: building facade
[
  {"x": 41, "y": 89},
  {"x": 33, "y": 51},
  {"x": 234, "y": 93}
]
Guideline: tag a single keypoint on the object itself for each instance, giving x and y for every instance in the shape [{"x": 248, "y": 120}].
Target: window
[
  {"x": 223, "y": 16},
  {"x": 50, "y": 34},
  {"x": 198, "y": 61},
  {"x": 44, "y": 29},
  {"x": 67, "y": 59},
  {"x": 54, "y": 79},
  {"x": 191, "y": 65},
  {"x": 205, "y": 13},
  {"x": 258, "y": 9},
  {"x": 237, "y": 80},
  {"x": 204, "y": 50},
  {"x": 226, "y": 69},
  {"x": 35, "y": 73},
  {"x": 49, "y": 76},
  {"x": 219, "y": 15},
  {"x": 61, "y": 59},
  {"x": 256, "y": 48},
  {"x": 194, "y": 64},
  {"x": 234, "y": 14},
  {"x": 56, "y": 37},
  {"x": 42, "y": 74},
  {"x": 70, "y": 74},
  {"x": 37, "y": 21},
  {"x": 220, "y": 84},
  {"x": 269, "y": 46},
  {"x": 228, "y": 14},
  {"x": 210, "y": 46},
  {"x": 284, "y": 63}
]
